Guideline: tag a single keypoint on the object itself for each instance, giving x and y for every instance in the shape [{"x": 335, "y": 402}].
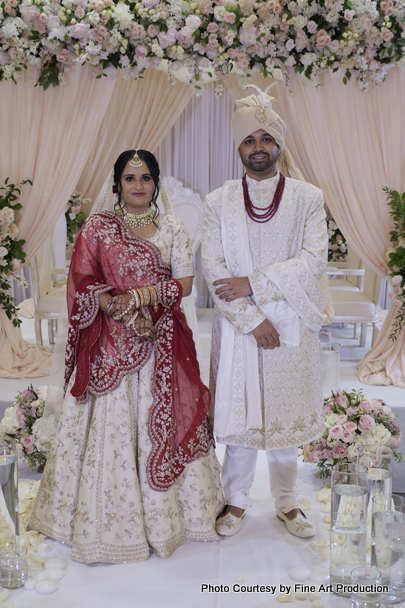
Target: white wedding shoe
[
  {"x": 228, "y": 525},
  {"x": 299, "y": 525}
]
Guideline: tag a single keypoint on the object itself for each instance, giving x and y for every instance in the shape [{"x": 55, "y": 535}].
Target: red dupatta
[{"x": 107, "y": 257}]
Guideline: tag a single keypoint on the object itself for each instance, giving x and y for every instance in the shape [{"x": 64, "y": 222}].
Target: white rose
[{"x": 219, "y": 13}]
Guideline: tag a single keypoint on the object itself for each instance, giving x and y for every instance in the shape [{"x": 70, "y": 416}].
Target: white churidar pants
[{"x": 239, "y": 470}]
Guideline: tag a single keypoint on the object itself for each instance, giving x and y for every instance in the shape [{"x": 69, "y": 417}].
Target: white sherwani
[{"x": 291, "y": 248}]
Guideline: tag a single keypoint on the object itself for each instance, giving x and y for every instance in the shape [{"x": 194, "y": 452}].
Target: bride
[{"x": 132, "y": 467}]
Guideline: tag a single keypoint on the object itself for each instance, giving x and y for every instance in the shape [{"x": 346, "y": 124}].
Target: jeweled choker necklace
[
  {"x": 136, "y": 220},
  {"x": 267, "y": 213}
]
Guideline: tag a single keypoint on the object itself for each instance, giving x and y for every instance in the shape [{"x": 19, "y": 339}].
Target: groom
[{"x": 264, "y": 249}]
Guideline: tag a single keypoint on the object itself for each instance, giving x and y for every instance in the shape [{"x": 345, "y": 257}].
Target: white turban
[{"x": 256, "y": 113}]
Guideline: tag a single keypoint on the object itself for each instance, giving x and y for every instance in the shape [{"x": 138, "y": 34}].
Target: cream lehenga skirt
[{"x": 94, "y": 494}]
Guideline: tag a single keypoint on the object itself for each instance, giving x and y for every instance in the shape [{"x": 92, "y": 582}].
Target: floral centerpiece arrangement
[
  {"x": 396, "y": 258},
  {"x": 337, "y": 247},
  {"x": 364, "y": 38},
  {"x": 22, "y": 423},
  {"x": 351, "y": 421},
  {"x": 75, "y": 217},
  {"x": 11, "y": 253}
]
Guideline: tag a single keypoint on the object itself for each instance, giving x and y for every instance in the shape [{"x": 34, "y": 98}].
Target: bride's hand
[
  {"x": 122, "y": 308},
  {"x": 143, "y": 328}
]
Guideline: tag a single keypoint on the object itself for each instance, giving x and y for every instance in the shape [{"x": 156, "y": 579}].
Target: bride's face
[{"x": 137, "y": 187}]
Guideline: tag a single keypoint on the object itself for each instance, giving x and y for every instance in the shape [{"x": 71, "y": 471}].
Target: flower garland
[
  {"x": 22, "y": 423},
  {"x": 11, "y": 253},
  {"x": 396, "y": 258},
  {"x": 337, "y": 247},
  {"x": 352, "y": 420},
  {"x": 75, "y": 217},
  {"x": 364, "y": 38}
]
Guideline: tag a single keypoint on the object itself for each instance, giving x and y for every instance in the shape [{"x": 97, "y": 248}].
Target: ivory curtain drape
[
  {"x": 46, "y": 136},
  {"x": 139, "y": 115},
  {"x": 352, "y": 144}
]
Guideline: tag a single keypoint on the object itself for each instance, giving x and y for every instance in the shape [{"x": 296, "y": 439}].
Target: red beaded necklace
[{"x": 265, "y": 214}]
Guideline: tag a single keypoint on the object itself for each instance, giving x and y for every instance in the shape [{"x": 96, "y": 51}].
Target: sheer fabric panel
[
  {"x": 199, "y": 150},
  {"x": 46, "y": 137},
  {"x": 139, "y": 115}
]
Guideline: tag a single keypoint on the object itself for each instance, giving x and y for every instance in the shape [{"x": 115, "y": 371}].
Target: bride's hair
[{"x": 153, "y": 167}]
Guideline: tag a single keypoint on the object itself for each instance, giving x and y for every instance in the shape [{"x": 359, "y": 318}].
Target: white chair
[
  {"x": 355, "y": 291},
  {"x": 49, "y": 294},
  {"x": 187, "y": 205}
]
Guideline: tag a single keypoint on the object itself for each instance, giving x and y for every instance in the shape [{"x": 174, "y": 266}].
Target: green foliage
[
  {"x": 396, "y": 257},
  {"x": 10, "y": 247}
]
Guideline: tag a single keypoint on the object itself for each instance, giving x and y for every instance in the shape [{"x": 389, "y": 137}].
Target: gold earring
[{"x": 136, "y": 161}]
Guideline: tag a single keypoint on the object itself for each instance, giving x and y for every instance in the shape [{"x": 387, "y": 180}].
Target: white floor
[{"x": 258, "y": 555}]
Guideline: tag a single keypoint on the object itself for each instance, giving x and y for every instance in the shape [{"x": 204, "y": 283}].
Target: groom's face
[{"x": 259, "y": 152}]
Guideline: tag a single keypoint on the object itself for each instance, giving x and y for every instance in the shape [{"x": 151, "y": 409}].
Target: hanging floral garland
[
  {"x": 364, "y": 38},
  {"x": 337, "y": 245},
  {"x": 11, "y": 253},
  {"x": 75, "y": 217},
  {"x": 396, "y": 258}
]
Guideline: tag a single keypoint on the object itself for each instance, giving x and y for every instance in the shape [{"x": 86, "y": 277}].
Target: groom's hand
[
  {"x": 233, "y": 288},
  {"x": 266, "y": 335}
]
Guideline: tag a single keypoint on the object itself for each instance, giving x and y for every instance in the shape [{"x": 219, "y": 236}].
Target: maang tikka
[{"x": 136, "y": 161}]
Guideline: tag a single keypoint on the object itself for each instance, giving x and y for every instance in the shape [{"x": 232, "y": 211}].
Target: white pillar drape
[{"x": 46, "y": 136}]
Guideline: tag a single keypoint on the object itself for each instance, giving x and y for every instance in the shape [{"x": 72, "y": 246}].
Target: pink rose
[
  {"x": 347, "y": 436},
  {"x": 80, "y": 12},
  {"x": 233, "y": 53},
  {"x": 350, "y": 426},
  {"x": 377, "y": 404},
  {"x": 316, "y": 455},
  {"x": 141, "y": 50},
  {"x": 336, "y": 432},
  {"x": 387, "y": 35},
  {"x": 366, "y": 423},
  {"x": 300, "y": 33},
  {"x": 366, "y": 406},
  {"x": 341, "y": 419},
  {"x": 284, "y": 27},
  {"x": 322, "y": 39},
  {"x": 63, "y": 57},
  {"x": 391, "y": 295},
  {"x": 3, "y": 252},
  {"x": 212, "y": 27},
  {"x": 312, "y": 27},
  {"x": 40, "y": 28},
  {"x": 290, "y": 44},
  {"x": 80, "y": 30},
  {"x": 397, "y": 290},
  {"x": 348, "y": 15},
  {"x": 27, "y": 442},
  {"x": 229, "y": 17},
  {"x": 43, "y": 18},
  {"x": 152, "y": 30},
  {"x": 339, "y": 450}
]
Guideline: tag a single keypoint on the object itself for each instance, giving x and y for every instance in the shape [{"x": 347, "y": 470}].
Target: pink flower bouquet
[
  {"x": 351, "y": 420},
  {"x": 21, "y": 423}
]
